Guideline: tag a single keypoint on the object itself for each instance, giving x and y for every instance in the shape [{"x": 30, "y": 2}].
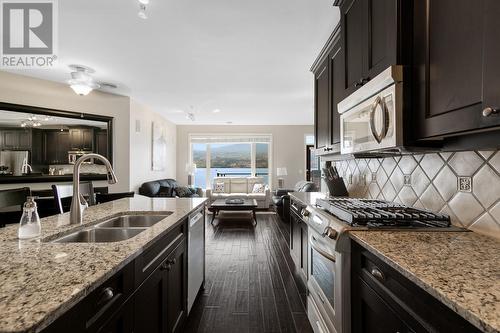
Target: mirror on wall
[{"x": 36, "y": 141}]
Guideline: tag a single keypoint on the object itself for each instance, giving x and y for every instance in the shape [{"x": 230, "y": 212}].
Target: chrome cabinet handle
[
  {"x": 375, "y": 272},
  {"x": 487, "y": 112},
  {"x": 385, "y": 120}
]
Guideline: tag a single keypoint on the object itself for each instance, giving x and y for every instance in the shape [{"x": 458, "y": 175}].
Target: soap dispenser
[{"x": 29, "y": 226}]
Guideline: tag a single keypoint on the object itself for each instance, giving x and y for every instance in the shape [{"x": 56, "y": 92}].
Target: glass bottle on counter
[{"x": 29, "y": 226}]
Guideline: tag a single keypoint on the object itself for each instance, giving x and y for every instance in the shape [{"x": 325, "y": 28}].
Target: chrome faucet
[{"x": 78, "y": 203}]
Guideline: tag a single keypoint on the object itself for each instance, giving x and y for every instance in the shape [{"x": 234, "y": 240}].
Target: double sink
[{"x": 115, "y": 229}]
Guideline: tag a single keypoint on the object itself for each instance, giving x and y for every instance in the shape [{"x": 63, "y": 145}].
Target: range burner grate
[{"x": 378, "y": 213}]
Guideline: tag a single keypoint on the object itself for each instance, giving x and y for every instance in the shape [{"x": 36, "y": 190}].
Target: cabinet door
[
  {"x": 176, "y": 300},
  {"x": 76, "y": 139},
  {"x": 304, "y": 241},
  {"x": 296, "y": 240},
  {"x": 354, "y": 39},
  {"x": 382, "y": 37},
  {"x": 102, "y": 143},
  {"x": 370, "y": 314},
  {"x": 24, "y": 139},
  {"x": 322, "y": 111},
  {"x": 50, "y": 147},
  {"x": 150, "y": 309},
  {"x": 491, "y": 63},
  {"x": 87, "y": 139},
  {"x": 121, "y": 321},
  {"x": 448, "y": 66},
  {"x": 337, "y": 92},
  {"x": 63, "y": 145},
  {"x": 10, "y": 139}
]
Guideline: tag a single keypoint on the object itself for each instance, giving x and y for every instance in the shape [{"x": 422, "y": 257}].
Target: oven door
[{"x": 323, "y": 280}]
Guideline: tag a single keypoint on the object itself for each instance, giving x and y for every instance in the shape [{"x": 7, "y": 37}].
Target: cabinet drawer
[
  {"x": 148, "y": 261},
  {"x": 414, "y": 304},
  {"x": 108, "y": 298}
]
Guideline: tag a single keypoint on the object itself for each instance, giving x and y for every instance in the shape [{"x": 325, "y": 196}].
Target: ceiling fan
[{"x": 82, "y": 81}]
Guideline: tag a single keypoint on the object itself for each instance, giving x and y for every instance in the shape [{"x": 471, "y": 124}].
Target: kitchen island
[{"x": 43, "y": 281}]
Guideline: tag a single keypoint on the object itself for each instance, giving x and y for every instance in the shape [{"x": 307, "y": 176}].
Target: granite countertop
[
  {"x": 461, "y": 269},
  {"x": 308, "y": 198},
  {"x": 40, "y": 280}
]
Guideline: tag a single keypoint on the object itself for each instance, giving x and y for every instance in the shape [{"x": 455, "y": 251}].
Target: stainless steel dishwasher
[{"x": 196, "y": 255}]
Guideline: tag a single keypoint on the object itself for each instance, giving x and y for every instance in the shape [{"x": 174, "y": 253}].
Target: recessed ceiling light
[
  {"x": 216, "y": 111},
  {"x": 144, "y": 2}
]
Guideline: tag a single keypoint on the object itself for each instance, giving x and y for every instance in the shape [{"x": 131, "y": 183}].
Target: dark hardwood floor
[{"x": 251, "y": 284}]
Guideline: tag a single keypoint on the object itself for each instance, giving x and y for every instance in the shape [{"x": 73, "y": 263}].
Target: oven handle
[
  {"x": 325, "y": 254},
  {"x": 385, "y": 119}
]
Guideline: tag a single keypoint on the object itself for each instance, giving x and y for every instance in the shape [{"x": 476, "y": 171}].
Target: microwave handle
[{"x": 385, "y": 120}]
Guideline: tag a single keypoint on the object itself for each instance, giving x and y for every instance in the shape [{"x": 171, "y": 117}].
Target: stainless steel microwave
[{"x": 371, "y": 118}]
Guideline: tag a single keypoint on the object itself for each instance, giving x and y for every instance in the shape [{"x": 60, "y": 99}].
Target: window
[
  {"x": 200, "y": 159},
  {"x": 232, "y": 156}
]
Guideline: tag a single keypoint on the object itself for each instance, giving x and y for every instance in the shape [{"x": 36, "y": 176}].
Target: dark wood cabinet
[
  {"x": 101, "y": 142},
  {"x": 148, "y": 295},
  {"x": 383, "y": 300},
  {"x": 299, "y": 244},
  {"x": 369, "y": 39},
  {"x": 321, "y": 98},
  {"x": 456, "y": 66},
  {"x": 176, "y": 301},
  {"x": 55, "y": 147},
  {"x": 81, "y": 138},
  {"x": 153, "y": 292},
  {"x": 328, "y": 92},
  {"x": 121, "y": 321},
  {"x": 16, "y": 139},
  {"x": 164, "y": 292}
]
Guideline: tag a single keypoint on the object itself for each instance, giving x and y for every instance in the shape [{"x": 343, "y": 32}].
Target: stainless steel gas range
[{"x": 329, "y": 262}]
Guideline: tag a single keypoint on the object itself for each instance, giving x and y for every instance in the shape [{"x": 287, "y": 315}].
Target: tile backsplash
[{"x": 464, "y": 185}]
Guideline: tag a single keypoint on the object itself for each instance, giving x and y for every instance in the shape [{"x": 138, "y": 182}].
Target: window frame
[{"x": 226, "y": 138}]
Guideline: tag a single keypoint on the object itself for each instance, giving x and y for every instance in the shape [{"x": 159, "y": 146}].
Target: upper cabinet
[
  {"x": 81, "y": 138},
  {"x": 369, "y": 39},
  {"x": 322, "y": 116},
  {"x": 15, "y": 139},
  {"x": 456, "y": 67},
  {"x": 328, "y": 91}
]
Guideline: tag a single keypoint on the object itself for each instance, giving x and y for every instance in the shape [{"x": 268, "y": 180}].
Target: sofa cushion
[
  {"x": 258, "y": 188},
  {"x": 252, "y": 181},
  {"x": 183, "y": 192},
  {"x": 239, "y": 185},
  {"x": 219, "y": 188},
  {"x": 165, "y": 191}
]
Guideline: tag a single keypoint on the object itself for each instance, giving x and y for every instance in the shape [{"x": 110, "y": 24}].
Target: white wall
[
  {"x": 25, "y": 90},
  {"x": 141, "y": 146},
  {"x": 288, "y": 147}
]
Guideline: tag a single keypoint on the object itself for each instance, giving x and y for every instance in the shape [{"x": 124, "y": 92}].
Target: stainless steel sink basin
[
  {"x": 100, "y": 235},
  {"x": 132, "y": 221}
]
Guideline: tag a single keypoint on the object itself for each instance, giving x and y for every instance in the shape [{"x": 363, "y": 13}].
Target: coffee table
[{"x": 221, "y": 205}]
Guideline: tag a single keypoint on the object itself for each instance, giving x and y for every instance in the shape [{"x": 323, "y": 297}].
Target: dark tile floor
[{"x": 251, "y": 284}]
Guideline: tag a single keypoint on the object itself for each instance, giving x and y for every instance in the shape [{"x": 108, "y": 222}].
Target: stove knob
[
  {"x": 330, "y": 233},
  {"x": 305, "y": 212}
]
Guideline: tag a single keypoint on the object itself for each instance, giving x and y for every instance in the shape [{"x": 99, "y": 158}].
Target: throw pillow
[
  {"x": 219, "y": 188},
  {"x": 258, "y": 188},
  {"x": 165, "y": 192},
  {"x": 183, "y": 192}
]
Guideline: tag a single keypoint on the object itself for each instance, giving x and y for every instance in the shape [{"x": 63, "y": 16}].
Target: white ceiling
[{"x": 248, "y": 58}]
